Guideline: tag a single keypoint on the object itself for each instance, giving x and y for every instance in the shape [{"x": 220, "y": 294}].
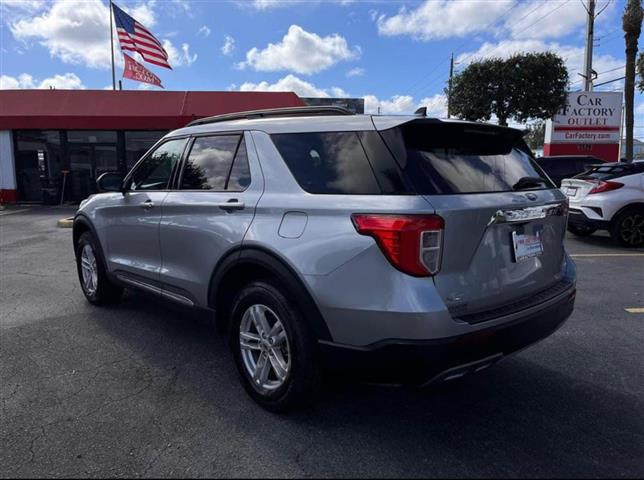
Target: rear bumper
[
  {"x": 577, "y": 218},
  {"x": 433, "y": 361}
]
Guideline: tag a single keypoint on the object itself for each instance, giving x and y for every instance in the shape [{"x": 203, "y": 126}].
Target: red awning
[{"x": 126, "y": 109}]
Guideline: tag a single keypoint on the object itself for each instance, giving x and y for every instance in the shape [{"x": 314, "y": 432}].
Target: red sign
[{"x": 135, "y": 71}]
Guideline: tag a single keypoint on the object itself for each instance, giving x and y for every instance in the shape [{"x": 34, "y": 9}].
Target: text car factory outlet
[{"x": 55, "y": 143}]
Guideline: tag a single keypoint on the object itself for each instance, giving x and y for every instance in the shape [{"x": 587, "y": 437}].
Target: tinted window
[
  {"x": 155, "y": 171},
  {"x": 332, "y": 162},
  {"x": 210, "y": 164},
  {"x": 457, "y": 158},
  {"x": 240, "y": 174}
]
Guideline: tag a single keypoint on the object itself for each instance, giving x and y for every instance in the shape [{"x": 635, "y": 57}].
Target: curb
[{"x": 66, "y": 223}]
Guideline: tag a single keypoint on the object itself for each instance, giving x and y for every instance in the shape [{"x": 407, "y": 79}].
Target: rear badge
[{"x": 531, "y": 196}]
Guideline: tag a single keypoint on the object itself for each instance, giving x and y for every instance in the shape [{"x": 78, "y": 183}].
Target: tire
[
  {"x": 581, "y": 232},
  {"x": 99, "y": 290},
  {"x": 289, "y": 348},
  {"x": 627, "y": 228}
]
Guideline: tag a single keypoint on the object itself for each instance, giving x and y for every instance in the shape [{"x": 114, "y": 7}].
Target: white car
[{"x": 609, "y": 196}]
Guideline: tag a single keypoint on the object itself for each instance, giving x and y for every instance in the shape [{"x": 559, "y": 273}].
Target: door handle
[
  {"x": 232, "y": 204},
  {"x": 147, "y": 205}
]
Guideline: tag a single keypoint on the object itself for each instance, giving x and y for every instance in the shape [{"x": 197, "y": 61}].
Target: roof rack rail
[{"x": 273, "y": 112}]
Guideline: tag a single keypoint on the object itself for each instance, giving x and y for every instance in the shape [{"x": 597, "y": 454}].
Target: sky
[{"x": 395, "y": 54}]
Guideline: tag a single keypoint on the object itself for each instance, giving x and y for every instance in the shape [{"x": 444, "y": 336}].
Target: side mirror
[{"x": 110, "y": 182}]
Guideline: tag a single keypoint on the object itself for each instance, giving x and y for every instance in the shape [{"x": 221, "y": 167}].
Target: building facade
[{"x": 54, "y": 144}]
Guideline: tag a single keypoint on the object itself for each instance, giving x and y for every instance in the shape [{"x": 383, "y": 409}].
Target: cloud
[
  {"x": 573, "y": 56},
  {"x": 179, "y": 58},
  {"x": 437, "y": 19},
  {"x": 77, "y": 32},
  {"x": 67, "y": 81},
  {"x": 355, "y": 72},
  {"x": 301, "y": 52},
  {"x": 204, "y": 31},
  {"x": 516, "y": 19},
  {"x": 228, "y": 46},
  {"x": 397, "y": 104},
  {"x": 291, "y": 83},
  {"x": 406, "y": 104},
  {"x": 144, "y": 13},
  {"x": 270, "y": 4}
]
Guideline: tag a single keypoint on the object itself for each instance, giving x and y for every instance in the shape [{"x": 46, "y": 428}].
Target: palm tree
[{"x": 632, "y": 24}]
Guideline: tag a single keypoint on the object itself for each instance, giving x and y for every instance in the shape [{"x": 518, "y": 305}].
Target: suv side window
[
  {"x": 216, "y": 163},
  {"x": 331, "y": 163},
  {"x": 155, "y": 171}
]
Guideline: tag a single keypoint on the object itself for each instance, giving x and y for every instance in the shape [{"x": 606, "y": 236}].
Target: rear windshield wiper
[{"x": 529, "y": 182}]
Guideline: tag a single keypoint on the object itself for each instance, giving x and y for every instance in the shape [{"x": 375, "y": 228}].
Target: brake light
[
  {"x": 605, "y": 186},
  {"x": 412, "y": 243}
]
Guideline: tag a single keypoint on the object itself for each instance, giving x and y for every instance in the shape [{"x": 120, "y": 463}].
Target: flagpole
[{"x": 112, "y": 48}]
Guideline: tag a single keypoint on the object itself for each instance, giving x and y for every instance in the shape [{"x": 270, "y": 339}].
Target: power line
[
  {"x": 486, "y": 55},
  {"x": 414, "y": 86}
]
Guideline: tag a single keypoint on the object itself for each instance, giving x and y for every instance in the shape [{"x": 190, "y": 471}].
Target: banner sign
[
  {"x": 135, "y": 71},
  {"x": 589, "y": 118}
]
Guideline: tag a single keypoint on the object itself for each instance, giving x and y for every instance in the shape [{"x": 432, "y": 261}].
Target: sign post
[{"x": 590, "y": 124}]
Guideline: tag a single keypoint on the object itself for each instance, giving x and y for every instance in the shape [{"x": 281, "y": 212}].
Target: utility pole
[
  {"x": 449, "y": 86},
  {"x": 588, "y": 60}
]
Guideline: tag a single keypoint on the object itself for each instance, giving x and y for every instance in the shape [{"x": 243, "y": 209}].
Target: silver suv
[{"x": 403, "y": 248}]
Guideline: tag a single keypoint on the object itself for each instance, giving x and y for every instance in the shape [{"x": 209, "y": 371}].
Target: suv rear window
[
  {"x": 457, "y": 158},
  {"x": 337, "y": 163}
]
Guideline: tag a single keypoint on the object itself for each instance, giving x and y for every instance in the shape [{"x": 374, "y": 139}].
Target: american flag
[{"x": 136, "y": 38}]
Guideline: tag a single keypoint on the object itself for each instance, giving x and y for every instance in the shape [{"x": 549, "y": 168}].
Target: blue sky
[{"x": 395, "y": 54}]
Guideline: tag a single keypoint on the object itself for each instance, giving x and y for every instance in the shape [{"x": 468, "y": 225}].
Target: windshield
[{"x": 458, "y": 158}]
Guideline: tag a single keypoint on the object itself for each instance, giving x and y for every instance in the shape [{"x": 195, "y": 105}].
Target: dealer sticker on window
[{"x": 526, "y": 246}]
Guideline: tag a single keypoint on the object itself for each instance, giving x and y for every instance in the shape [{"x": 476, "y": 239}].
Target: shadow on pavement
[{"x": 518, "y": 419}]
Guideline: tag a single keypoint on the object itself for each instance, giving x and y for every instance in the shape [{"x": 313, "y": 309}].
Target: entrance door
[{"x": 87, "y": 163}]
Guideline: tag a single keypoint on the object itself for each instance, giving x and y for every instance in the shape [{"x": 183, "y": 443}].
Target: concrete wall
[{"x": 8, "y": 192}]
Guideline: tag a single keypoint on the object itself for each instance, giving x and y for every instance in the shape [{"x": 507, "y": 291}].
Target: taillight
[
  {"x": 412, "y": 243},
  {"x": 605, "y": 186}
]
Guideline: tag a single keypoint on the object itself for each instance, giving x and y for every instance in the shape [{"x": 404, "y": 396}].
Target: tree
[
  {"x": 522, "y": 87},
  {"x": 632, "y": 25},
  {"x": 536, "y": 134}
]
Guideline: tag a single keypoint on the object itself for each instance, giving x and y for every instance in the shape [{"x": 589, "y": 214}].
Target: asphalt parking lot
[{"x": 145, "y": 389}]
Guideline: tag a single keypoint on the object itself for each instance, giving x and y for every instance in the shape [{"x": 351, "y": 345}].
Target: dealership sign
[{"x": 589, "y": 118}]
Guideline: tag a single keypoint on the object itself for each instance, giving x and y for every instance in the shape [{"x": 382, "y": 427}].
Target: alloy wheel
[
  {"x": 89, "y": 270},
  {"x": 265, "y": 348},
  {"x": 631, "y": 230}
]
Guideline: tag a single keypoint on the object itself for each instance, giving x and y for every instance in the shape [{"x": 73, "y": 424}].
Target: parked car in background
[
  {"x": 558, "y": 167},
  {"x": 405, "y": 247},
  {"x": 608, "y": 196}
]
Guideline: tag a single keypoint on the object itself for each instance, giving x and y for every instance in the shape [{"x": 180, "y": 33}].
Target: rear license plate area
[{"x": 526, "y": 246}]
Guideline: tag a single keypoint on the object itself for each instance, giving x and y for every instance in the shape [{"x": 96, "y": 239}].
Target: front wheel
[
  {"x": 628, "y": 228},
  {"x": 92, "y": 273},
  {"x": 274, "y": 349}
]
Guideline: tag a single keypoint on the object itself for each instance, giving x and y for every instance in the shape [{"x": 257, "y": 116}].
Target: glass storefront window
[
  {"x": 91, "y": 136},
  {"x": 38, "y": 165},
  {"x": 137, "y": 143}
]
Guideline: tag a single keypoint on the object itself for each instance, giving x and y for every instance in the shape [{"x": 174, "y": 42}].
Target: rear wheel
[
  {"x": 92, "y": 273},
  {"x": 580, "y": 231},
  {"x": 627, "y": 228},
  {"x": 274, "y": 349}
]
